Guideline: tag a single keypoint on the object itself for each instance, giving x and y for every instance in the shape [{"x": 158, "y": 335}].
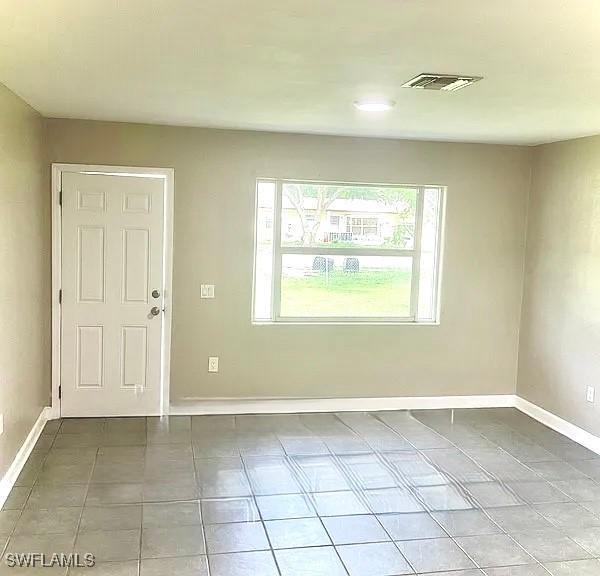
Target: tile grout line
[
  {"x": 289, "y": 461},
  {"x": 141, "y": 541},
  {"x": 295, "y": 474},
  {"x": 199, "y": 493}
]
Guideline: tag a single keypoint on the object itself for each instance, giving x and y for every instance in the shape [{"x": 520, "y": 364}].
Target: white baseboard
[
  {"x": 204, "y": 406},
  {"x": 15, "y": 468},
  {"x": 555, "y": 422},
  {"x": 52, "y": 412}
]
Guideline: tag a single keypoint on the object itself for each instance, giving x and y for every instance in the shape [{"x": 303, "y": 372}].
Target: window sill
[{"x": 341, "y": 323}]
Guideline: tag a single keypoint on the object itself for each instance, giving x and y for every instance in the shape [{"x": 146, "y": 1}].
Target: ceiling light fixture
[{"x": 374, "y": 105}]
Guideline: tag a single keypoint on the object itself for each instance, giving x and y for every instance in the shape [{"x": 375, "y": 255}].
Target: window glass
[
  {"x": 317, "y": 286},
  {"x": 263, "y": 257},
  {"x": 382, "y": 217},
  {"x": 429, "y": 254}
]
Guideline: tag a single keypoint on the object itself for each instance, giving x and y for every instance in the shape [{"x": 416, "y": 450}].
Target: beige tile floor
[{"x": 462, "y": 493}]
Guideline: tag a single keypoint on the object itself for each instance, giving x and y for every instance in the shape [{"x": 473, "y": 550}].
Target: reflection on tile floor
[{"x": 450, "y": 493}]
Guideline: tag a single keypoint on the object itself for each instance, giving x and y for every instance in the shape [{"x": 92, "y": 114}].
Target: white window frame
[{"x": 415, "y": 253}]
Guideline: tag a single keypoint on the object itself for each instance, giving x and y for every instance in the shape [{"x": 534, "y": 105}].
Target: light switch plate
[
  {"x": 207, "y": 290},
  {"x": 591, "y": 393},
  {"x": 213, "y": 364}
]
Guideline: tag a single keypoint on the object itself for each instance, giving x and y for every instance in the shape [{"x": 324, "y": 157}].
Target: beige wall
[
  {"x": 24, "y": 273},
  {"x": 473, "y": 351},
  {"x": 560, "y": 333}
]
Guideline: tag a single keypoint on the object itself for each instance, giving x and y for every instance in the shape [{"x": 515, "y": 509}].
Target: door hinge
[
  {"x": 60, "y": 197},
  {"x": 60, "y": 391},
  {"x": 60, "y": 296}
]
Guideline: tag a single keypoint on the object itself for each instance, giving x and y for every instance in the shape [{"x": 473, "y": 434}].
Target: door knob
[{"x": 155, "y": 310}]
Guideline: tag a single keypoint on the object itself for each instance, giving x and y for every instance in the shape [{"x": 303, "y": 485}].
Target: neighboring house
[{"x": 347, "y": 221}]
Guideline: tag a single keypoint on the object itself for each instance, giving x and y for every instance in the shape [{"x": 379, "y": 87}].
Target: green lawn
[{"x": 367, "y": 293}]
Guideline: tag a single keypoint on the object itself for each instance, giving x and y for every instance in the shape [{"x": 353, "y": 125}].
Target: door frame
[{"x": 168, "y": 174}]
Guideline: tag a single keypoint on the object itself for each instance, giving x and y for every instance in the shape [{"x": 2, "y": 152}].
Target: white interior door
[{"x": 112, "y": 294}]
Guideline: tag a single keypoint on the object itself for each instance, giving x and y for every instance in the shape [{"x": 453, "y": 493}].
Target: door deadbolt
[{"x": 155, "y": 293}]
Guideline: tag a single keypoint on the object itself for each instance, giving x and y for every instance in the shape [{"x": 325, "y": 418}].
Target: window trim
[{"x": 279, "y": 251}]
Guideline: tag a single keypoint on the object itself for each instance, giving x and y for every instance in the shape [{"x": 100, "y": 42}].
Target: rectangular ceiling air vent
[{"x": 446, "y": 82}]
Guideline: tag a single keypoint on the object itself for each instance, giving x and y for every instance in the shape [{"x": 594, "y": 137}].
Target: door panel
[
  {"x": 136, "y": 265},
  {"x": 90, "y": 264},
  {"x": 90, "y": 356},
  {"x": 112, "y": 260},
  {"x": 134, "y": 356}
]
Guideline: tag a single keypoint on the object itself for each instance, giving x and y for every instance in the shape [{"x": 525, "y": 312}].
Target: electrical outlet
[
  {"x": 213, "y": 364},
  {"x": 591, "y": 393},
  {"x": 207, "y": 290}
]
